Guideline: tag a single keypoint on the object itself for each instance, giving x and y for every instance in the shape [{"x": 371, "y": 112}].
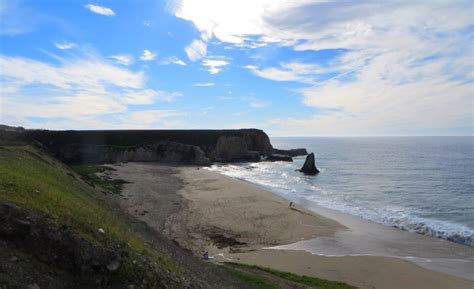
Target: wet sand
[{"x": 235, "y": 220}]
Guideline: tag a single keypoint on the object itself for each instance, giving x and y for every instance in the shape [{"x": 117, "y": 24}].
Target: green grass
[
  {"x": 305, "y": 280},
  {"x": 253, "y": 280},
  {"x": 89, "y": 173},
  {"x": 35, "y": 180}
]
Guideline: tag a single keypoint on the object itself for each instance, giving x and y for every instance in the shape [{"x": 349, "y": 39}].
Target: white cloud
[
  {"x": 173, "y": 60},
  {"x": 292, "y": 71},
  {"x": 205, "y": 84},
  {"x": 167, "y": 96},
  {"x": 196, "y": 50},
  {"x": 214, "y": 66},
  {"x": 76, "y": 92},
  {"x": 100, "y": 10},
  {"x": 64, "y": 45},
  {"x": 150, "y": 119},
  {"x": 124, "y": 59},
  {"x": 256, "y": 103},
  {"x": 400, "y": 66},
  {"x": 147, "y": 55}
]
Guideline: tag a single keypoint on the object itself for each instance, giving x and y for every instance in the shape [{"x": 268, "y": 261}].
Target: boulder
[
  {"x": 278, "y": 157},
  {"x": 291, "y": 152},
  {"x": 309, "y": 167}
]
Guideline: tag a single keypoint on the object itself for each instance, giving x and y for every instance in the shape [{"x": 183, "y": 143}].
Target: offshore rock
[{"x": 309, "y": 167}]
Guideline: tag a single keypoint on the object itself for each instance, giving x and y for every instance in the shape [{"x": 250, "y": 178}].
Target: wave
[{"x": 281, "y": 178}]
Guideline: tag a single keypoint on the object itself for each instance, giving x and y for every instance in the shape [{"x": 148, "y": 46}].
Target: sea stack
[{"x": 309, "y": 167}]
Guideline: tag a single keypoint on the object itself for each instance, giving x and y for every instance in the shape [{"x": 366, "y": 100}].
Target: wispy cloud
[
  {"x": 147, "y": 55},
  {"x": 173, "y": 60},
  {"x": 196, "y": 50},
  {"x": 299, "y": 72},
  {"x": 254, "y": 102},
  {"x": 204, "y": 84},
  {"x": 155, "y": 118},
  {"x": 82, "y": 89},
  {"x": 396, "y": 66},
  {"x": 124, "y": 59},
  {"x": 100, "y": 10},
  {"x": 64, "y": 45},
  {"x": 17, "y": 18},
  {"x": 213, "y": 65}
]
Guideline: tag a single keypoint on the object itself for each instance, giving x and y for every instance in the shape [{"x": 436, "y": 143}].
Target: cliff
[{"x": 200, "y": 147}]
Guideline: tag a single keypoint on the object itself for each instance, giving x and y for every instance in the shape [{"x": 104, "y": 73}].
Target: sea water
[{"x": 418, "y": 184}]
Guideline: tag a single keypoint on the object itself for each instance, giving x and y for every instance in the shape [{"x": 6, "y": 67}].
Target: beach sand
[{"x": 235, "y": 221}]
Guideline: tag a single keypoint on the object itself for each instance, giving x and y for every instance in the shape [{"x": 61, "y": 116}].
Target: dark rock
[
  {"x": 198, "y": 147},
  {"x": 309, "y": 167},
  {"x": 229, "y": 148},
  {"x": 278, "y": 157},
  {"x": 291, "y": 153},
  {"x": 167, "y": 151},
  {"x": 51, "y": 244},
  {"x": 33, "y": 286},
  {"x": 253, "y": 156},
  {"x": 113, "y": 265}
]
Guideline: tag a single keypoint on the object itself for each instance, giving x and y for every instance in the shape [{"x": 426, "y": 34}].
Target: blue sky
[{"x": 292, "y": 68}]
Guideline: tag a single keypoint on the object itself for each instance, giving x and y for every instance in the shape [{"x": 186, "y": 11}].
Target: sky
[{"x": 291, "y": 68}]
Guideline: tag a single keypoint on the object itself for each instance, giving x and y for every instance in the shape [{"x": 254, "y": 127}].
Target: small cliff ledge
[{"x": 198, "y": 147}]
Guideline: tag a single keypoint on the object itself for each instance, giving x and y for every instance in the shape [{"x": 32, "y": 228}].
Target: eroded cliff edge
[{"x": 199, "y": 147}]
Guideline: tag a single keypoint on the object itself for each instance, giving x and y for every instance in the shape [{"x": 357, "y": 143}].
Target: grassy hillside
[{"x": 34, "y": 180}]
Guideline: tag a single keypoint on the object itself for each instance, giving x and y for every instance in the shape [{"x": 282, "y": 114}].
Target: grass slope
[
  {"x": 89, "y": 174},
  {"x": 311, "y": 282},
  {"x": 33, "y": 179}
]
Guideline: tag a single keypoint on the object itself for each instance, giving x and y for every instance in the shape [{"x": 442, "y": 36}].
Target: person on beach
[{"x": 290, "y": 205}]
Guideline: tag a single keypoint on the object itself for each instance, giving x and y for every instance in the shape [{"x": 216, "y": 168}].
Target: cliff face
[{"x": 199, "y": 147}]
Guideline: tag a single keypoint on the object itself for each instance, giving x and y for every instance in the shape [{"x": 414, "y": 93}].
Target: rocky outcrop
[
  {"x": 309, "y": 167},
  {"x": 278, "y": 157},
  {"x": 195, "y": 146},
  {"x": 291, "y": 152},
  {"x": 168, "y": 152},
  {"x": 233, "y": 148},
  {"x": 55, "y": 245}
]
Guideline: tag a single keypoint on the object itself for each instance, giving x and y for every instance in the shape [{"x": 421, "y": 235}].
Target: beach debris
[{"x": 309, "y": 167}]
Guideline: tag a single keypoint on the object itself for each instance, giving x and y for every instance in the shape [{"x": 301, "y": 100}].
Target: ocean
[{"x": 418, "y": 184}]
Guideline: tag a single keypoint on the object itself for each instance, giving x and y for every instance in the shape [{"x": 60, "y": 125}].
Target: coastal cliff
[{"x": 199, "y": 147}]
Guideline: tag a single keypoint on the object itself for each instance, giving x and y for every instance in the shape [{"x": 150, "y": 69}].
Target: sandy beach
[{"x": 236, "y": 221}]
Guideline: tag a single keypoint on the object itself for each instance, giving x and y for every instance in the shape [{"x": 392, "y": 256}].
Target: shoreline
[{"x": 235, "y": 221}]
